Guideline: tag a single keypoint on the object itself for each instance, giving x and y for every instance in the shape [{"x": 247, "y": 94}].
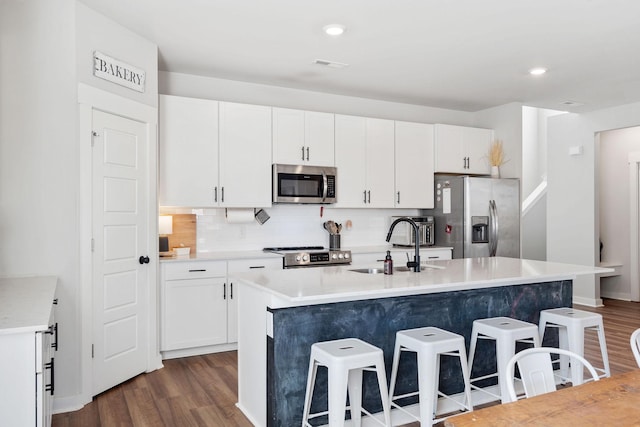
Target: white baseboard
[
  {"x": 197, "y": 351},
  {"x": 68, "y": 404},
  {"x": 589, "y": 302},
  {"x": 622, "y": 296}
]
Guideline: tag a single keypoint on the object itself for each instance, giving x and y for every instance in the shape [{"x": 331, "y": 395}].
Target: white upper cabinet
[
  {"x": 303, "y": 137},
  {"x": 414, "y": 158},
  {"x": 245, "y": 150},
  {"x": 461, "y": 149},
  {"x": 188, "y": 132},
  {"x": 364, "y": 158},
  {"x": 214, "y": 154}
]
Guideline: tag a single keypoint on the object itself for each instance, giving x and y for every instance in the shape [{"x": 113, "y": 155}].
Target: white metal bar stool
[
  {"x": 505, "y": 331},
  {"x": 346, "y": 359},
  {"x": 430, "y": 344},
  {"x": 571, "y": 324}
]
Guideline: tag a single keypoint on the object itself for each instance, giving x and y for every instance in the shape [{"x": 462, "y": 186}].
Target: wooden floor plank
[{"x": 202, "y": 391}]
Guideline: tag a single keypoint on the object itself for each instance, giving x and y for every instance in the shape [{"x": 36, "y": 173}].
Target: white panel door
[{"x": 120, "y": 271}]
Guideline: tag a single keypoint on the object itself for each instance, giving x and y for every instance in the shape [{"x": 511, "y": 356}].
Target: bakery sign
[{"x": 118, "y": 72}]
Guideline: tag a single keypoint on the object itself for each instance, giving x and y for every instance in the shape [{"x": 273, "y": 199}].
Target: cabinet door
[
  {"x": 194, "y": 313},
  {"x": 188, "y": 133},
  {"x": 303, "y": 137},
  {"x": 288, "y": 136},
  {"x": 245, "y": 155},
  {"x": 477, "y": 143},
  {"x": 319, "y": 137},
  {"x": 379, "y": 154},
  {"x": 414, "y": 165},
  {"x": 449, "y": 149},
  {"x": 243, "y": 266},
  {"x": 351, "y": 136}
]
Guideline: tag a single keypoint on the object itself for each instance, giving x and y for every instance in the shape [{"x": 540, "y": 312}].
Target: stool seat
[
  {"x": 505, "y": 331},
  {"x": 345, "y": 359},
  {"x": 429, "y": 344},
  {"x": 572, "y": 324}
]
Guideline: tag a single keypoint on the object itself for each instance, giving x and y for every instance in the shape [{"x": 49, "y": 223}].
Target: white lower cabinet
[
  {"x": 199, "y": 305},
  {"x": 243, "y": 266},
  {"x": 27, "y": 380}
]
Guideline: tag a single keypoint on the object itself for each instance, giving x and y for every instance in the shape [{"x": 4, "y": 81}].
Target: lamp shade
[{"x": 165, "y": 224}]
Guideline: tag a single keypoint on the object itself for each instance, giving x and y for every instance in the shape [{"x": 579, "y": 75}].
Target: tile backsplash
[{"x": 290, "y": 225}]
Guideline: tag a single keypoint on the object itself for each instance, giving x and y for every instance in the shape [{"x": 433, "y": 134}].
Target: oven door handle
[{"x": 325, "y": 186}]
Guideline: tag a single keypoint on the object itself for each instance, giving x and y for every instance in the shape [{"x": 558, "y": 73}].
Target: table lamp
[{"x": 165, "y": 227}]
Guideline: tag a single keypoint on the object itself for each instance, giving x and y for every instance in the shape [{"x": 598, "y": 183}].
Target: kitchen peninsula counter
[{"x": 282, "y": 313}]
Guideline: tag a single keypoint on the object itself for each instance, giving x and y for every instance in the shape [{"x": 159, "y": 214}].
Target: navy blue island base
[{"x": 376, "y": 321}]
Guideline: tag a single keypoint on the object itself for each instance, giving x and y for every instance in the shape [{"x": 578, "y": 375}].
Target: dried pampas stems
[{"x": 496, "y": 153}]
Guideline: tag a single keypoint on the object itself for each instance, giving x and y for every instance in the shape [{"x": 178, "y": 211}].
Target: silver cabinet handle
[
  {"x": 231, "y": 291},
  {"x": 307, "y": 154},
  {"x": 369, "y": 196},
  {"x": 364, "y": 195},
  {"x": 303, "y": 153},
  {"x": 198, "y": 270},
  {"x": 224, "y": 291},
  {"x": 398, "y": 197},
  {"x": 215, "y": 194},
  {"x": 222, "y": 194}
]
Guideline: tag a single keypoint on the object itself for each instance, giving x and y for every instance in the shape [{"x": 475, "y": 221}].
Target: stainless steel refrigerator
[{"x": 477, "y": 216}]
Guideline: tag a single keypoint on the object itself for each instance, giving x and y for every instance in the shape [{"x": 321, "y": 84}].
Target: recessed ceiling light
[
  {"x": 537, "y": 71},
  {"x": 334, "y": 29}
]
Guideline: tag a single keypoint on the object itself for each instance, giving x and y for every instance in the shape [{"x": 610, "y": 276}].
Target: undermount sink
[
  {"x": 378, "y": 270},
  {"x": 369, "y": 270},
  {"x": 397, "y": 269}
]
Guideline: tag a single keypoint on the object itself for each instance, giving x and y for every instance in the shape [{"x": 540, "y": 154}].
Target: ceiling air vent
[
  {"x": 571, "y": 103},
  {"x": 331, "y": 64}
]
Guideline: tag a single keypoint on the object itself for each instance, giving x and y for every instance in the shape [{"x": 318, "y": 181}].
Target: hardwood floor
[{"x": 202, "y": 390}]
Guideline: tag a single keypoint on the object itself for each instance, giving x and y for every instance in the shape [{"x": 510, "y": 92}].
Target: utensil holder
[{"x": 334, "y": 242}]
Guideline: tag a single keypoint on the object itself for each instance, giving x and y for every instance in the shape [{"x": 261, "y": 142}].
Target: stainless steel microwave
[{"x": 304, "y": 184}]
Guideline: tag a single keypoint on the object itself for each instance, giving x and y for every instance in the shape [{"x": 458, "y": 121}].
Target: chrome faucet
[{"x": 415, "y": 264}]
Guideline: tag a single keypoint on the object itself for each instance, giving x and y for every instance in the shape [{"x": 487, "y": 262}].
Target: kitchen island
[{"x": 281, "y": 313}]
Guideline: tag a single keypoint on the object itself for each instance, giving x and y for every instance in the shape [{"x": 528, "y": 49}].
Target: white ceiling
[{"x": 458, "y": 54}]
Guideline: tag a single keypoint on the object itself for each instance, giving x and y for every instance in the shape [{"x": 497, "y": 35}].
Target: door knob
[{"x": 143, "y": 259}]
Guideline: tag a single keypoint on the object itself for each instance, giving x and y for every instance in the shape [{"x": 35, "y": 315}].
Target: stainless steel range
[{"x": 311, "y": 256}]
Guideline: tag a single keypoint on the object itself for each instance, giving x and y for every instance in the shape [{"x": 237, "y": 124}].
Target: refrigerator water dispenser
[{"x": 479, "y": 229}]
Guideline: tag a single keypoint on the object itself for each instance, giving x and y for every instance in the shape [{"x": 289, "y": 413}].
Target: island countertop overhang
[{"x": 309, "y": 286}]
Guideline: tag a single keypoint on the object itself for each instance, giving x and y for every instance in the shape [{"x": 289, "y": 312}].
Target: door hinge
[{"x": 92, "y": 351}]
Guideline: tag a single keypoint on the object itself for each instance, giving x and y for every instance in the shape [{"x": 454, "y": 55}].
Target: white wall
[
  {"x": 249, "y": 93},
  {"x": 39, "y": 159},
  {"x": 572, "y": 225},
  {"x": 39, "y": 153},
  {"x": 613, "y": 182},
  {"x": 506, "y": 120}
]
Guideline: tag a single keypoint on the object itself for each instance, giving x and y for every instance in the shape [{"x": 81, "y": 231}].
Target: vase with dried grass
[{"x": 496, "y": 158}]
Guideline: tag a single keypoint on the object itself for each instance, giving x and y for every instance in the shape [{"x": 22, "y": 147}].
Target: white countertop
[
  {"x": 335, "y": 284},
  {"x": 221, "y": 256},
  {"x": 26, "y": 303},
  {"x": 257, "y": 254}
]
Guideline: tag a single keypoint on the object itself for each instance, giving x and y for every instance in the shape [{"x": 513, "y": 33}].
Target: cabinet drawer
[
  {"x": 194, "y": 270},
  {"x": 247, "y": 265},
  {"x": 435, "y": 254}
]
